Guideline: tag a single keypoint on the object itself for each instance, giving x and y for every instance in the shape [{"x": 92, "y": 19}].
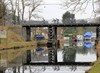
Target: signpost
[{"x": 3, "y": 34}]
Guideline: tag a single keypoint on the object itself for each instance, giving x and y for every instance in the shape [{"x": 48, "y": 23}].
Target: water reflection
[
  {"x": 39, "y": 55},
  {"x": 77, "y": 44},
  {"x": 49, "y": 69},
  {"x": 69, "y": 55},
  {"x": 77, "y": 55}
]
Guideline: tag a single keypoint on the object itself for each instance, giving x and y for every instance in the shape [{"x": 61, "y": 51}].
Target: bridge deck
[{"x": 62, "y": 25}]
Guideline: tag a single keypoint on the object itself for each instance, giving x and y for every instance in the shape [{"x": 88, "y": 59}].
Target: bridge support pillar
[
  {"x": 28, "y": 56},
  {"x": 56, "y": 43},
  {"x": 98, "y": 32},
  {"x": 52, "y": 53},
  {"x": 2, "y": 70},
  {"x": 28, "y": 34}
]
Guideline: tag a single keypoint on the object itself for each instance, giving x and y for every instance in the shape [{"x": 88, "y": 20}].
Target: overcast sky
[
  {"x": 52, "y": 11},
  {"x": 56, "y": 11}
]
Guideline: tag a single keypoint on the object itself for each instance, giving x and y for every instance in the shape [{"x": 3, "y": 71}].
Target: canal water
[
  {"x": 79, "y": 55},
  {"x": 89, "y": 56},
  {"x": 51, "y": 69}
]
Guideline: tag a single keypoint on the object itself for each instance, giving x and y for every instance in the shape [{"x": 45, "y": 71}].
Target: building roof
[{"x": 88, "y": 34}]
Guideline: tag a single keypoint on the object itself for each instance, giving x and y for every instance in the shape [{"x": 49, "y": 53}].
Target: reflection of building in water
[
  {"x": 39, "y": 31},
  {"x": 39, "y": 55},
  {"x": 69, "y": 55}
]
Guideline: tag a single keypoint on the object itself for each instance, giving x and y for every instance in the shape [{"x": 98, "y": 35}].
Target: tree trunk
[
  {"x": 30, "y": 69},
  {"x": 18, "y": 69}
]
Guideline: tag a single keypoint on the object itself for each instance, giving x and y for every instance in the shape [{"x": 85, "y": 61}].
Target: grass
[
  {"x": 13, "y": 39},
  {"x": 12, "y": 54},
  {"x": 96, "y": 67}
]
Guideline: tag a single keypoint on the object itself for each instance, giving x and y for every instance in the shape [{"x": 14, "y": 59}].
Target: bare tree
[
  {"x": 32, "y": 5},
  {"x": 80, "y": 5},
  {"x": 33, "y": 8},
  {"x": 18, "y": 12},
  {"x": 23, "y": 8},
  {"x": 3, "y": 8},
  {"x": 13, "y": 10},
  {"x": 18, "y": 7},
  {"x": 98, "y": 8},
  {"x": 3, "y": 11}
]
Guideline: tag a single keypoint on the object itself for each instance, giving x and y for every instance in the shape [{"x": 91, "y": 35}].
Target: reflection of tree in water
[
  {"x": 83, "y": 50},
  {"x": 69, "y": 55},
  {"x": 73, "y": 67}
]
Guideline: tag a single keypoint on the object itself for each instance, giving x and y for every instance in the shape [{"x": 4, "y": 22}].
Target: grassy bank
[
  {"x": 13, "y": 39},
  {"x": 95, "y": 68}
]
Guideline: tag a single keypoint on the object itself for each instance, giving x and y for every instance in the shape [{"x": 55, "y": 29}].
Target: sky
[
  {"x": 52, "y": 11},
  {"x": 56, "y": 11}
]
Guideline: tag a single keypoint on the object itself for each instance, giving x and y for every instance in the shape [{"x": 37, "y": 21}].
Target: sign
[
  {"x": 3, "y": 34},
  {"x": 79, "y": 37},
  {"x": 3, "y": 63}
]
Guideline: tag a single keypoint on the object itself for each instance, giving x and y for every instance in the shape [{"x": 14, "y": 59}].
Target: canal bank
[{"x": 96, "y": 67}]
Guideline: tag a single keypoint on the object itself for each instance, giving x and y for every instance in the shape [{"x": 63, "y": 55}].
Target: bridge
[
  {"x": 53, "y": 45},
  {"x": 62, "y": 25}
]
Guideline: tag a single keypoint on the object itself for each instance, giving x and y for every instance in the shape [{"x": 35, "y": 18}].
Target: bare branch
[
  {"x": 33, "y": 7},
  {"x": 93, "y": 6},
  {"x": 80, "y": 5}
]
